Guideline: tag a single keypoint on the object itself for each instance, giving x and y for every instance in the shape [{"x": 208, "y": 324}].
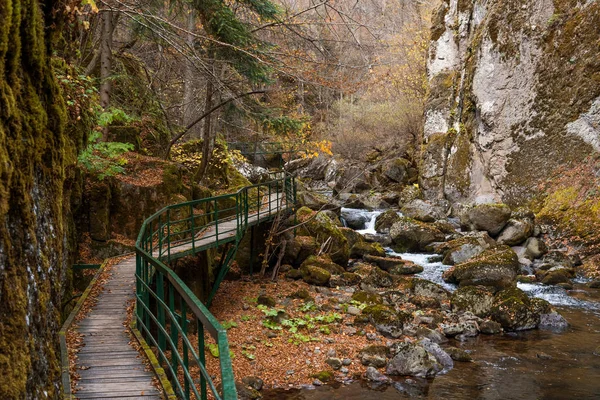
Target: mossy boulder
[
  {"x": 421, "y": 210},
  {"x": 379, "y": 278},
  {"x": 486, "y": 217},
  {"x": 345, "y": 279},
  {"x": 323, "y": 262},
  {"x": 515, "y": 311},
  {"x": 410, "y": 235},
  {"x": 535, "y": 248},
  {"x": 323, "y": 376},
  {"x": 294, "y": 274},
  {"x": 266, "y": 300},
  {"x": 422, "y": 287},
  {"x": 385, "y": 220},
  {"x": 352, "y": 236},
  {"x": 556, "y": 275},
  {"x": 406, "y": 269},
  {"x": 387, "y": 321},
  {"x": 462, "y": 249},
  {"x": 312, "y": 200},
  {"x": 477, "y": 300},
  {"x": 396, "y": 170},
  {"x": 458, "y": 354},
  {"x": 408, "y": 194},
  {"x": 360, "y": 249},
  {"x": 496, "y": 267},
  {"x": 315, "y": 275},
  {"x": 385, "y": 263},
  {"x": 322, "y": 228}
]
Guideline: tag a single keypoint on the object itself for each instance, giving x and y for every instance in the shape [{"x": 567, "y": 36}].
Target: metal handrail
[{"x": 163, "y": 301}]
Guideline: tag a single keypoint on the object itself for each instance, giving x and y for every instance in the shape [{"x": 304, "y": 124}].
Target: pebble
[
  {"x": 331, "y": 353},
  {"x": 371, "y": 336},
  {"x": 245, "y": 307},
  {"x": 543, "y": 356},
  {"x": 290, "y": 372},
  {"x": 317, "y": 382},
  {"x": 346, "y": 361},
  {"x": 344, "y": 370},
  {"x": 349, "y": 330},
  {"x": 353, "y": 310},
  {"x": 317, "y": 351}
]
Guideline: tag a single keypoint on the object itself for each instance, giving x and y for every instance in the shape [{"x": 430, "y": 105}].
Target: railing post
[
  {"x": 192, "y": 228},
  {"x": 160, "y": 235},
  {"x": 185, "y": 348},
  {"x": 160, "y": 293},
  {"x": 168, "y": 234},
  {"x": 202, "y": 357},
  {"x": 174, "y": 332},
  {"x": 216, "y": 221}
]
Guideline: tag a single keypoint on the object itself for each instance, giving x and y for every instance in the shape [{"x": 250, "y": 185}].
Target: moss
[
  {"x": 386, "y": 219},
  {"x": 36, "y": 174},
  {"x": 362, "y": 248},
  {"x": 322, "y": 228},
  {"x": 367, "y": 297},
  {"x": 315, "y": 275},
  {"x": 323, "y": 262},
  {"x": 438, "y": 26},
  {"x": 323, "y": 376},
  {"x": 380, "y": 314}
]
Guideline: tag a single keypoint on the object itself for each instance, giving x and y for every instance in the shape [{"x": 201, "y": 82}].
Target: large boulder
[
  {"x": 299, "y": 249},
  {"x": 362, "y": 249},
  {"x": 496, "y": 267},
  {"x": 410, "y": 235},
  {"x": 385, "y": 220},
  {"x": 413, "y": 360},
  {"x": 408, "y": 194},
  {"x": 535, "y": 248},
  {"x": 374, "y": 355},
  {"x": 396, "y": 170},
  {"x": 486, "y": 217},
  {"x": 515, "y": 311},
  {"x": 477, "y": 300},
  {"x": 387, "y": 321},
  {"x": 351, "y": 179},
  {"x": 516, "y": 231},
  {"x": 385, "y": 263},
  {"x": 315, "y": 275},
  {"x": 355, "y": 219},
  {"x": 425, "y": 288},
  {"x": 322, "y": 228},
  {"x": 324, "y": 262},
  {"x": 422, "y": 210},
  {"x": 463, "y": 249}
]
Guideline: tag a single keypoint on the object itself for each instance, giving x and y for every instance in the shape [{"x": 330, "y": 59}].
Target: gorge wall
[
  {"x": 37, "y": 158},
  {"x": 514, "y": 95}
]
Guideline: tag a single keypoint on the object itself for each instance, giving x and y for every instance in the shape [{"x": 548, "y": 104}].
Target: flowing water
[{"x": 535, "y": 364}]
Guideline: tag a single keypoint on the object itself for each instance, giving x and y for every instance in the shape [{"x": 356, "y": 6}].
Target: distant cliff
[
  {"x": 37, "y": 158},
  {"x": 515, "y": 94}
]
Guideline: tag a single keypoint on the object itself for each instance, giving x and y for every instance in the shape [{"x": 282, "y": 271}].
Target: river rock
[
  {"x": 458, "y": 354},
  {"x": 254, "y": 382},
  {"x": 555, "y": 275},
  {"x": 360, "y": 249},
  {"x": 490, "y": 327},
  {"x": 385, "y": 220},
  {"x": 440, "y": 355},
  {"x": 315, "y": 275},
  {"x": 422, "y": 287},
  {"x": 463, "y": 249},
  {"x": 246, "y": 392},
  {"x": 410, "y": 235},
  {"x": 374, "y": 375},
  {"x": 379, "y": 278},
  {"x": 558, "y": 258},
  {"x": 535, "y": 248},
  {"x": 496, "y": 267},
  {"x": 421, "y": 210},
  {"x": 386, "y": 320},
  {"x": 313, "y": 200},
  {"x": 406, "y": 269},
  {"x": 374, "y": 355},
  {"x": 553, "y": 321},
  {"x": 334, "y": 362},
  {"x": 515, "y": 311},
  {"x": 412, "y": 359},
  {"x": 486, "y": 217},
  {"x": 385, "y": 263},
  {"x": 344, "y": 279},
  {"x": 351, "y": 179},
  {"x": 475, "y": 299},
  {"x": 431, "y": 334},
  {"x": 356, "y": 220},
  {"x": 516, "y": 232},
  {"x": 298, "y": 249}
]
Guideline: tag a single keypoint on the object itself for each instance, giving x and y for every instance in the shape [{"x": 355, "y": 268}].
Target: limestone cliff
[
  {"x": 36, "y": 161},
  {"x": 515, "y": 93}
]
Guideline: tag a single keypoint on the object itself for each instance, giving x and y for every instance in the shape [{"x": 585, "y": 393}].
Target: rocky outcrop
[{"x": 514, "y": 95}]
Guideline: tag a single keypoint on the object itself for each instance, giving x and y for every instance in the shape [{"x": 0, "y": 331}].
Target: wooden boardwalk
[{"x": 109, "y": 367}]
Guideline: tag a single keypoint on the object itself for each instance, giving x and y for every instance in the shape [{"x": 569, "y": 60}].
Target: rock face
[
  {"x": 37, "y": 156},
  {"x": 514, "y": 94}
]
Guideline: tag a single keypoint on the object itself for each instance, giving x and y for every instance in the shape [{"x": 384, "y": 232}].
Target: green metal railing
[
  {"x": 169, "y": 315},
  {"x": 257, "y": 148}
]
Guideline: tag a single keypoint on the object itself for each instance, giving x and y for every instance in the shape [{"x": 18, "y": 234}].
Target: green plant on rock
[{"x": 103, "y": 159}]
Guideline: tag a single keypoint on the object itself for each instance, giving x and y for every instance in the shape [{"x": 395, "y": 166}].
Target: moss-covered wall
[{"x": 36, "y": 168}]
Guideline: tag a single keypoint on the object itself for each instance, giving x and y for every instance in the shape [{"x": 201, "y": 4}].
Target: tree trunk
[
  {"x": 189, "y": 85},
  {"x": 207, "y": 137},
  {"x": 106, "y": 63}
]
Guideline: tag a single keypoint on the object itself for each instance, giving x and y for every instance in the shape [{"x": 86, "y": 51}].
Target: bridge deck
[{"x": 109, "y": 367}]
